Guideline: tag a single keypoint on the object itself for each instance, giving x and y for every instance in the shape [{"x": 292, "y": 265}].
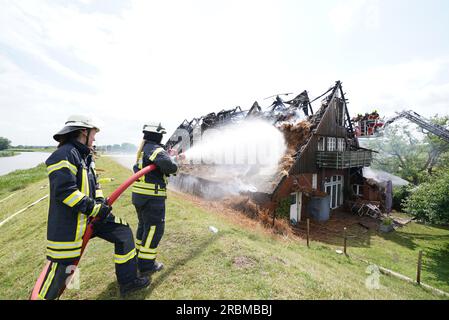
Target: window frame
[{"x": 331, "y": 144}]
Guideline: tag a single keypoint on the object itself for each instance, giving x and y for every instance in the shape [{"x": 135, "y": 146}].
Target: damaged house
[{"x": 321, "y": 168}]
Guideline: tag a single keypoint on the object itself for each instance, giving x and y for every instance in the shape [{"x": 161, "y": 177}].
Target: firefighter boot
[
  {"x": 137, "y": 284},
  {"x": 157, "y": 266}
]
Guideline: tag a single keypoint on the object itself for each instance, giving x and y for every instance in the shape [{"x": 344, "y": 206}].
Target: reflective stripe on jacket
[
  {"x": 153, "y": 184},
  {"x": 73, "y": 188}
]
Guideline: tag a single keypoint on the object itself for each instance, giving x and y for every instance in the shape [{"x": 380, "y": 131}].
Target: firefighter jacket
[
  {"x": 154, "y": 183},
  {"x": 73, "y": 190}
]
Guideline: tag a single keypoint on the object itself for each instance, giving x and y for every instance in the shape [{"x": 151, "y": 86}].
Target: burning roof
[{"x": 290, "y": 118}]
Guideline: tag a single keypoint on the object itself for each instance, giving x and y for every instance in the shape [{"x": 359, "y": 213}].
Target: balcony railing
[{"x": 344, "y": 159}]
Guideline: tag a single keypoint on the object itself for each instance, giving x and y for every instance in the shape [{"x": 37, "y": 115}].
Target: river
[{"x": 24, "y": 160}]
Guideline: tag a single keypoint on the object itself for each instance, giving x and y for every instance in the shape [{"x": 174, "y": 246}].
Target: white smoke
[
  {"x": 251, "y": 142},
  {"x": 242, "y": 157}
]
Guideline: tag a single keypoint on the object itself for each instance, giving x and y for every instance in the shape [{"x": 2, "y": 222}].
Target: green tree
[
  {"x": 429, "y": 202},
  {"x": 409, "y": 152},
  {"x": 4, "y": 143}
]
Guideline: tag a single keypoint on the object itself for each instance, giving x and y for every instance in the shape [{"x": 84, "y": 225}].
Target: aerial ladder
[
  {"x": 433, "y": 128},
  {"x": 366, "y": 128}
]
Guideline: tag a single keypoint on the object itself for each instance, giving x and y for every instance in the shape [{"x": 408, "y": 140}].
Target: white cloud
[{"x": 415, "y": 85}]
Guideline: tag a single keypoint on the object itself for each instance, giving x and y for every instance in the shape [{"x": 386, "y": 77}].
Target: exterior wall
[
  {"x": 371, "y": 193},
  {"x": 328, "y": 127},
  {"x": 304, "y": 181}
]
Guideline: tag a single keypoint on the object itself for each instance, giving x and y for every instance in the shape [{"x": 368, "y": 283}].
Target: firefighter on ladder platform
[
  {"x": 148, "y": 196},
  {"x": 75, "y": 196}
]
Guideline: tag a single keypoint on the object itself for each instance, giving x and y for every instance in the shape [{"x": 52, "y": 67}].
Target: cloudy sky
[{"x": 125, "y": 62}]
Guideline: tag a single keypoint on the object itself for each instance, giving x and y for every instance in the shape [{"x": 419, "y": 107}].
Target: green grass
[
  {"x": 238, "y": 262},
  {"x": 399, "y": 250},
  {"x": 19, "y": 179}
]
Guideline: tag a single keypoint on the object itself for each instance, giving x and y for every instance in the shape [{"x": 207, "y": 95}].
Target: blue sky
[{"x": 126, "y": 62}]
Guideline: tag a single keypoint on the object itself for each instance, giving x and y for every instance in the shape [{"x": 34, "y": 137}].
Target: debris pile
[
  {"x": 296, "y": 135},
  {"x": 246, "y": 205}
]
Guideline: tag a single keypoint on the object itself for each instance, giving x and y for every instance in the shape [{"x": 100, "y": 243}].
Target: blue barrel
[{"x": 319, "y": 208}]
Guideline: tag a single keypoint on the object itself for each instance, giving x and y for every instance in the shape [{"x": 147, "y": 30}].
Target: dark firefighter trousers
[
  {"x": 114, "y": 230},
  {"x": 151, "y": 214}
]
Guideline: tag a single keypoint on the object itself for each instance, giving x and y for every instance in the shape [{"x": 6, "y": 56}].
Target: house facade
[{"x": 330, "y": 162}]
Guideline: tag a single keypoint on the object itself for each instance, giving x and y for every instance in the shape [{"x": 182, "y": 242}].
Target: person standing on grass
[
  {"x": 75, "y": 197},
  {"x": 149, "y": 194}
]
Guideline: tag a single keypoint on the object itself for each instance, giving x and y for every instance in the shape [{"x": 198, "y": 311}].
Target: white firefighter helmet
[
  {"x": 76, "y": 122},
  {"x": 155, "y": 127}
]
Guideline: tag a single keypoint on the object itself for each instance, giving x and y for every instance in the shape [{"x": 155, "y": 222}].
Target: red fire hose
[{"x": 89, "y": 230}]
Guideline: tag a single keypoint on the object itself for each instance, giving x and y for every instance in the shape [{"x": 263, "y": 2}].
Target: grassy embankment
[
  {"x": 15, "y": 151},
  {"x": 241, "y": 261}
]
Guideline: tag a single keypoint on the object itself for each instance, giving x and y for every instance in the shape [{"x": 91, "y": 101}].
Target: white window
[
  {"x": 331, "y": 144},
  {"x": 341, "y": 145},
  {"x": 358, "y": 189},
  {"x": 314, "y": 181},
  {"x": 321, "y": 144},
  {"x": 295, "y": 207}
]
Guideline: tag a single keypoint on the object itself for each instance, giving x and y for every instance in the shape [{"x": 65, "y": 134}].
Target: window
[
  {"x": 321, "y": 144},
  {"x": 314, "y": 181},
  {"x": 293, "y": 199},
  {"x": 358, "y": 189},
  {"x": 331, "y": 144},
  {"x": 341, "y": 144}
]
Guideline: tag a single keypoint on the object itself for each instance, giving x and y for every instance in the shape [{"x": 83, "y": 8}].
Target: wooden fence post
[
  {"x": 418, "y": 269},
  {"x": 308, "y": 232},
  {"x": 345, "y": 241}
]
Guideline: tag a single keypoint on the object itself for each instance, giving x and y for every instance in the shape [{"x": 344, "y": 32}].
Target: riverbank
[
  {"x": 45, "y": 149},
  {"x": 8, "y": 153}
]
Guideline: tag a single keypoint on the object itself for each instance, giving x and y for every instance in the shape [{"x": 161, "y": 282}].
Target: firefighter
[
  {"x": 148, "y": 196},
  {"x": 75, "y": 197}
]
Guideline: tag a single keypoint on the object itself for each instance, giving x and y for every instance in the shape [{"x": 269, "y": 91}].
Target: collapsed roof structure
[{"x": 322, "y": 154}]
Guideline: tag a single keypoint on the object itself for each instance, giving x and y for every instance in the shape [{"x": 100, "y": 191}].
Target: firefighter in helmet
[
  {"x": 149, "y": 194},
  {"x": 75, "y": 198}
]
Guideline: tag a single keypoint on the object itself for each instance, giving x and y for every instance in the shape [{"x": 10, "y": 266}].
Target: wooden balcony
[{"x": 344, "y": 159}]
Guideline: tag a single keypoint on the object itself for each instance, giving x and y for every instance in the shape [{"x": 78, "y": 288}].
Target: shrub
[
  {"x": 387, "y": 221},
  {"x": 283, "y": 208},
  {"x": 399, "y": 196},
  {"x": 429, "y": 202}
]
